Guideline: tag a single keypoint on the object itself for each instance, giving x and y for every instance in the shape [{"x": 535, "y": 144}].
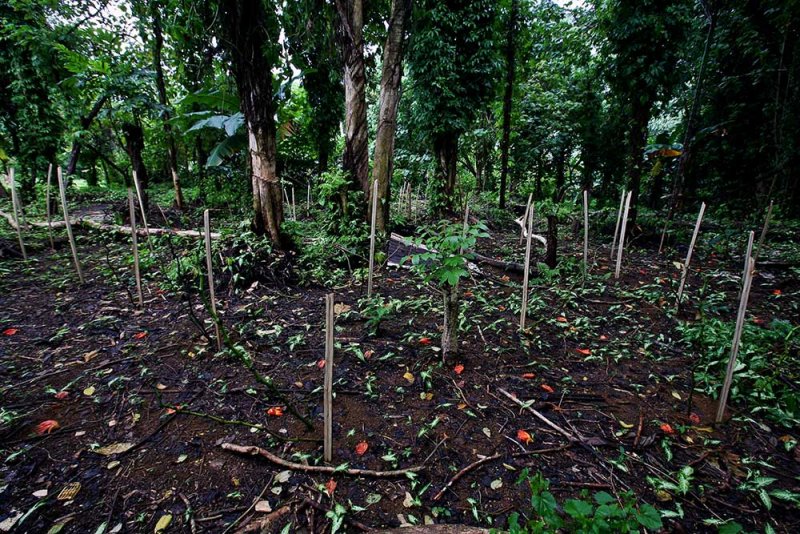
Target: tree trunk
[
  {"x": 637, "y": 143},
  {"x": 508, "y": 94},
  {"x": 246, "y": 24},
  {"x": 158, "y": 44},
  {"x": 355, "y": 159},
  {"x": 86, "y": 121},
  {"x": 446, "y": 148},
  {"x": 391, "y": 76},
  {"x": 551, "y": 253},
  {"x": 450, "y": 327},
  {"x": 134, "y": 145}
]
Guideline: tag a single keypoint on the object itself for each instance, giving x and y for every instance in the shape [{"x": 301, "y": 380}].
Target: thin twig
[{"x": 457, "y": 476}]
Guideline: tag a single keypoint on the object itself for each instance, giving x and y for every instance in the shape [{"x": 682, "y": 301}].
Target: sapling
[{"x": 444, "y": 264}]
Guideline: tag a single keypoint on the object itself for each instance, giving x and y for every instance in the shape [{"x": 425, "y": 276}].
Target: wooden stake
[
  {"x": 372, "y": 237},
  {"x": 67, "y": 224},
  {"x": 294, "y": 206},
  {"x": 209, "y": 266},
  {"x": 466, "y": 225},
  {"x": 737, "y": 333},
  {"x": 622, "y": 234},
  {"x": 135, "y": 245},
  {"x": 685, "y": 272},
  {"x": 14, "y": 202},
  {"x": 525, "y": 218},
  {"x": 328, "y": 382},
  {"x": 763, "y": 231},
  {"x": 308, "y": 199},
  {"x": 524, "y": 311},
  {"x": 585, "y": 233},
  {"x": 416, "y": 205},
  {"x": 616, "y": 228},
  {"x": 47, "y": 207},
  {"x": 141, "y": 207}
]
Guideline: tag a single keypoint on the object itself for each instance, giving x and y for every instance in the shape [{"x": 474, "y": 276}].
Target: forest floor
[{"x": 144, "y": 402}]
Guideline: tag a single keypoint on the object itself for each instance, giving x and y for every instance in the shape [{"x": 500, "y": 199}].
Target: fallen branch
[
  {"x": 457, "y": 476},
  {"x": 539, "y": 416},
  {"x": 81, "y": 221},
  {"x": 252, "y": 450}
]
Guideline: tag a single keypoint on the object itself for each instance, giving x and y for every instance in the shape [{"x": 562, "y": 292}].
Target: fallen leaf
[
  {"x": 777, "y": 292},
  {"x": 340, "y": 308},
  {"x": 112, "y": 465},
  {"x": 263, "y": 507},
  {"x": 585, "y": 352},
  {"x": 408, "y": 501},
  {"x": 61, "y": 395},
  {"x": 114, "y": 448},
  {"x": 547, "y": 388},
  {"x": 623, "y": 424},
  {"x": 529, "y": 375},
  {"x": 424, "y": 341},
  {"x": 40, "y": 493},
  {"x": 561, "y": 319},
  {"x": 603, "y": 337},
  {"x": 163, "y": 523},
  {"x": 69, "y": 491},
  {"x": 523, "y": 436},
  {"x": 283, "y": 476},
  {"x": 487, "y": 432},
  {"x": 275, "y": 411},
  {"x": 408, "y": 376},
  {"x": 160, "y": 386},
  {"x": 361, "y": 448},
  {"x": 330, "y": 487},
  {"x": 458, "y": 369},
  {"x": 667, "y": 428},
  {"x": 694, "y": 418},
  {"x": 496, "y": 484},
  {"x": 142, "y": 335},
  {"x": 45, "y": 427},
  {"x": 468, "y": 294},
  {"x": 425, "y": 395},
  {"x": 89, "y": 356},
  {"x": 182, "y": 458},
  {"x": 89, "y": 391},
  {"x": 321, "y": 364},
  {"x": 10, "y": 331},
  {"x": 676, "y": 395},
  {"x": 368, "y": 354},
  {"x": 502, "y": 308}
]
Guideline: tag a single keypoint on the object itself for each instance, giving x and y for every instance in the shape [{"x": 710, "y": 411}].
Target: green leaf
[
  {"x": 577, "y": 509},
  {"x": 648, "y": 517}
]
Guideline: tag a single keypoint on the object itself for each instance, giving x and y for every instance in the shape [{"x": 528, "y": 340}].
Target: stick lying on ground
[
  {"x": 463, "y": 472},
  {"x": 111, "y": 227},
  {"x": 252, "y": 450}
]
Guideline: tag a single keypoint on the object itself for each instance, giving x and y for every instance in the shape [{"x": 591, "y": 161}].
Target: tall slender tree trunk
[
  {"x": 134, "y": 145},
  {"x": 246, "y": 24},
  {"x": 158, "y": 45},
  {"x": 637, "y": 142},
  {"x": 445, "y": 146},
  {"x": 355, "y": 159},
  {"x": 391, "y": 76},
  {"x": 508, "y": 94},
  {"x": 86, "y": 121}
]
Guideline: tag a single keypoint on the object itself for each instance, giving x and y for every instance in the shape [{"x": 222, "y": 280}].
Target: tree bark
[
  {"x": 445, "y": 147},
  {"x": 134, "y": 145},
  {"x": 246, "y": 27},
  {"x": 86, "y": 121},
  {"x": 508, "y": 93},
  {"x": 636, "y": 143},
  {"x": 391, "y": 76},
  {"x": 158, "y": 45},
  {"x": 355, "y": 159}
]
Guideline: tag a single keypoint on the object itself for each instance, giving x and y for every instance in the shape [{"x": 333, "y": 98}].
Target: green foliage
[
  {"x": 602, "y": 514},
  {"x": 376, "y": 309},
  {"x": 445, "y": 261}
]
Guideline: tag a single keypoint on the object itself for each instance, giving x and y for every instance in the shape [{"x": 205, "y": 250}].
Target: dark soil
[{"x": 150, "y": 378}]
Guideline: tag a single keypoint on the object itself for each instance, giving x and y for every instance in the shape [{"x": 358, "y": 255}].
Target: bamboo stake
[
  {"x": 12, "y": 185},
  {"x": 67, "y": 224},
  {"x": 135, "y": 245},
  {"x": 737, "y": 333},
  {"x": 328, "y": 382},
  {"x": 616, "y": 228},
  {"x": 524, "y": 311},
  {"x": 416, "y": 205},
  {"x": 685, "y": 272},
  {"x": 525, "y": 218},
  {"x": 209, "y": 266},
  {"x": 622, "y": 235},
  {"x": 585, "y": 233},
  {"x": 294, "y": 206},
  {"x": 308, "y": 199},
  {"x": 372, "y": 237},
  {"x": 141, "y": 207},
  {"x": 763, "y": 231},
  {"x": 47, "y": 206}
]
